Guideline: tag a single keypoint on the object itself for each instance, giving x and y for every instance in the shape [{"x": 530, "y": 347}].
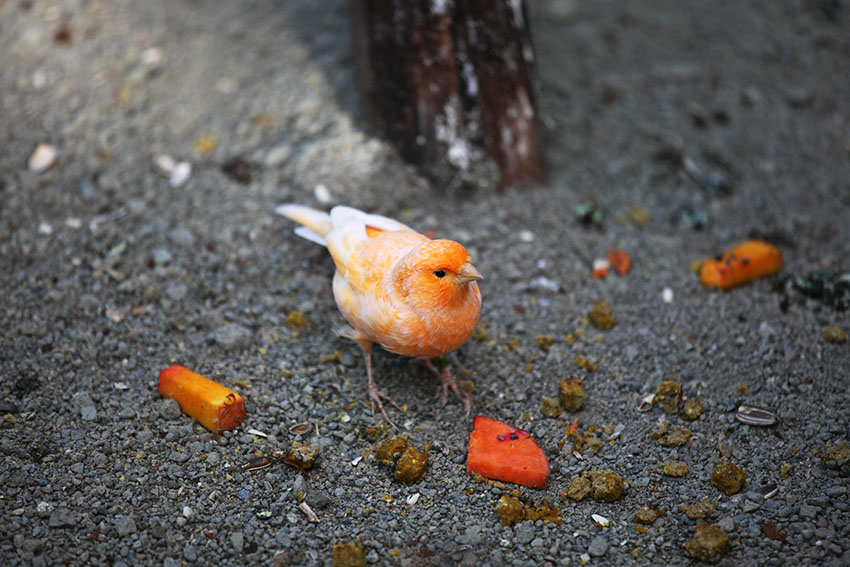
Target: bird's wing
[{"x": 364, "y": 247}]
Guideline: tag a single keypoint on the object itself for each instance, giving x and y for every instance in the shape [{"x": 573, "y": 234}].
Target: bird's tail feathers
[{"x": 315, "y": 224}]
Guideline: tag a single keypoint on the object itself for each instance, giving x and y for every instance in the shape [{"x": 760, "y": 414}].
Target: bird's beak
[{"x": 468, "y": 273}]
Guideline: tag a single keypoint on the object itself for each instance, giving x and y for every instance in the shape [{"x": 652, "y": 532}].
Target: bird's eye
[{"x": 440, "y": 273}]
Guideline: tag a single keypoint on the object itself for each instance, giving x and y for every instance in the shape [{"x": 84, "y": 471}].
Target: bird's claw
[
  {"x": 448, "y": 383},
  {"x": 376, "y": 401}
]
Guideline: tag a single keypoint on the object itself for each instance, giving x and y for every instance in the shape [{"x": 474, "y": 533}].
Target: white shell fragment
[
  {"x": 164, "y": 163},
  {"x": 75, "y": 223},
  {"x": 413, "y": 499},
  {"x": 257, "y": 432},
  {"x": 180, "y": 174},
  {"x": 45, "y": 228},
  {"x": 42, "y": 158},
  {"x": 356, "y": 461},
  {"x": 756, "y": 416},
  {"x": 114, "y": 316},
  {"x": 667, "y": 295},
  {"x": 600, "y": 521},
  {"x": 322, "y": 194}
]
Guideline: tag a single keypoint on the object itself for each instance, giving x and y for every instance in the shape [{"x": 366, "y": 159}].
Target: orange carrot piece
[
  {"x": 501, "y": 452},
  {"x": 214, "y": 406},
  {"x": 740, "y": 264},
  {"x": 620, "y": 261}
]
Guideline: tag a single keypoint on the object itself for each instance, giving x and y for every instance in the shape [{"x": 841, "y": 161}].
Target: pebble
[
  {"x": 177, "y": 291},
  {"x": 61, "y": 517},
  {"x": 42, "y": 158},
  {"x": 237, "y": 540},
  {"x": 524, "y": 532},
  {"x": 169, "y": 410},
  {"x": 232, "y": 337},
  {"x": 180, "y": 174},
  {"x": 161, "y": 256},
  {"x": 125, "y": 526},
  {"x": 598, "y": 546},
  {"x": 44, "y": 509},
  {"x": 727, "y": 524},
  {"x": 808, "y": 511}
]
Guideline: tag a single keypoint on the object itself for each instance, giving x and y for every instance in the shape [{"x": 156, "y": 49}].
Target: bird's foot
[
  {"x": 448, "y": 383},
  {"x": 376, "y": 401}
]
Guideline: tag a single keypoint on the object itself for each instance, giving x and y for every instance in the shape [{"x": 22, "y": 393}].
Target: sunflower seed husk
[
  {"x": 256, "y": 464},
  {"x": 299, "y": 429},
  {"x": 646, "y": 403},
  {"x": 768, "y": 490},
  {"x": 600, "y": 521},
  {"x": 756, "y": 416}
]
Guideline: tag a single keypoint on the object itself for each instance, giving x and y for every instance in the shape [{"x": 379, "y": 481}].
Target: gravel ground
[{"x": 110, "y": 273}]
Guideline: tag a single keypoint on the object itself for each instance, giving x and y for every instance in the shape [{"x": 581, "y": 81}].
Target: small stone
[
  {"x": 180, "y": 174},
  {"x": 675, "y": 468},
  {"x": 125, "y": 526},
  {"x": 602, "y": 316},
  {"x": 169, "y": 410},
  {"x": 61, "y": 518},
  {"x": 161, "y": 256},
  {"x": 44, "y": 509},
  {"x": 524, "y": 532},
  {"x": 571, "y": 393},
  {"x": 702, "y": 509},
  {"x": 668, "y": 397},
  {"x": 692, "y": 409},
  {"x": 232, "y": 337},
  {"x": 177, "y": 291},
  {"x": 727, "y": 524},
  {"x": 42, "y": 158},
  {"x": 709, "y": 543},
  {"x": 88, "y": 413},
  {"x": 550, "y": 407},
  {"x": 598, "y": 546},
  {"x": 834, "y": 334},
  {"x": 237, "y": 540},
  {"x": 728, "y": 478}
]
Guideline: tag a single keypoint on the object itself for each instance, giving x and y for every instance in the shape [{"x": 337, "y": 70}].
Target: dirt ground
[{"x": 691, "y": 126}]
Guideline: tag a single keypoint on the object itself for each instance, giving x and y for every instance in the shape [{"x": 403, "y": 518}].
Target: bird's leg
[
  {"x": 447, "y": 382},
  {"x": 376, "y": 396}
]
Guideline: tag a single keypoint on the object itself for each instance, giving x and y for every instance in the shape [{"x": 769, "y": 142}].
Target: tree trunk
[{"x": 448, "y": 83}]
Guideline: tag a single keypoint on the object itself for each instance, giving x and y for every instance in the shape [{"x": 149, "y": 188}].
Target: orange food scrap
[
  {"x": 501, "y": 452},
  {"x": 214, "y": 406},
  {"x": 620, "y": 261},
  {"x": 740, "y": 264},
  {"x": 600, "y": 268}
]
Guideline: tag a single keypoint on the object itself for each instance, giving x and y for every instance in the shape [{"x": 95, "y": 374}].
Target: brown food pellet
[
  {"x": 668, "y": 396},
  {"x": 709, "y": 543},
  {"x": 728, "y": 477}
]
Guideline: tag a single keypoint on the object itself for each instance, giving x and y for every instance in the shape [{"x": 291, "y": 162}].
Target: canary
[{"x": 397, "y": 288}]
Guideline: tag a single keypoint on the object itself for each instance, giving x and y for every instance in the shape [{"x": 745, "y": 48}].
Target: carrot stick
[
  {"x": 740, "y": 264},
  {"x": 214, "y": 406}
]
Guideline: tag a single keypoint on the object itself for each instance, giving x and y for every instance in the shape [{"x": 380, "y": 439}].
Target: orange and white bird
[{"x": 397, "y": 288}]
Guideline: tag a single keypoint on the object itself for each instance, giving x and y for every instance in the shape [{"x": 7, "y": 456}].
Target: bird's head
[{"x": 438, "y": 273}]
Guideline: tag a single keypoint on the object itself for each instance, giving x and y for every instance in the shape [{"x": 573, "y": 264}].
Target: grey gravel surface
[{"x": 110, "y": 271}]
